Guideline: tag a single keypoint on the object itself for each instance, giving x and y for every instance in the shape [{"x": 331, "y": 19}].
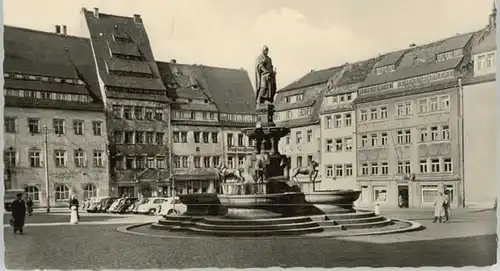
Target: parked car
[
  {"x": 138, "y": 203},
  {"x": 123, "y": 208},
  {"x": 106, "y": 203},
  {"x": 115, "y": 205},
  {"x": 172, "y": 206},
  {"x": 151, "y": 206},
  {"x": 93, "y": 204}
]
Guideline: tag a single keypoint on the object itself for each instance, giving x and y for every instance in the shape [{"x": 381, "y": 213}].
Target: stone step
[
  {"x": 375, "y": 224},
  {"x": 257, "y": 233},
  {"x": 350, "y": 215},
  {"x": 331, "y": 228},
  {"x": 183, "y": 218},
  {"x": 358, "y": 220},
  {"x": 277, "y": 227},
  {"x": 175, "y": 223},
  {"x": 158, "y": 226},
  {"x": 267, "y": 221}
]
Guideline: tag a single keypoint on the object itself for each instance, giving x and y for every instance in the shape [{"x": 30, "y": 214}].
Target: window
[
  {"x": 10, "y": 124},
  {"x": 10, "y": 158},
  {"x": 429, "y": 193},
  {"x": 383, "y": 112},
  {"x": 89, "y": 190},
  {"x": 299, "y": 161},
  {"x": 58, "y": 125},
  {"x": 79, "y": 158},
  {"x": 206, "y": 137},
  {"x": 33, "y": 192},
  {"x": 160, "y": 162},
  {"x": 149, "y": 113},
  {"x": 490, "y": 61},
  {"x": 347, "y": 120},
  {"x": 97, "y": 128},
  {"x": 138, "y": 112},
  {"x": 196, "y": 160},
  {"x": 78, "y": 127},
  {"x": 364, "y": 169},
  {"x": 206, "y": 162},
  {"x": 434, "y": 133},
  {"x": 435, "y": 165},
  {"x": 481, "y": 62},
  {"x": 62, "y": 192},
  {"x": 177, "y": 161},
  {"x": 298, "y": 136},
  {"x": 374, "y": 140},
  {"x": 240, "y": 140},
  {"x": 329, "y": 171},
  {"x": 445, "y": 102},
  {"x": 309, "y": 136},
  {"x": 129, "y": 162},
  {"x": 193, "y": 115},
  {"x": 385, "y": 168},
  {"x": 127, "y": 112},
  {"x": 214, "y": 137},
  {"x": 241, "y": 161},
  {"x": 176, "y": 137},
  {"x": 348, "y": 169},
  {"x": 445, "y": 132},
  {"x": 338, "y": 121},
  {"x": 363, "y": 115},
  {"x": 348, "y": 144},
  {"x": 364, "y": 141},
  {"x": 230, "y": 140},
  {"x": 139, "y": 137},
  {"x": 329, "y": 122},
  {"x": 150, "y": 137},
  {"x": 339, "y": 171},
  {"x": 434, "y": 104},
  {"x": 408, "y": 108},
  {"x": 117, "y": 111},
  {"x": 159, "y": 138},
  {"x": 159, "y": 114},
  {"x": 423, "y": 166},
  {"x": 424, "y": 135},
  {"x": 380, "y": 194},
  {"x": 383, "y": 139},
  {"x": 401, "y": 168},
  {"x": 329, "y": 145},
  {"x": 407, "y": 137},
  {"x": 423, "y": 106},
  {"x": 60, "y": 158},
  {"x": 34, "y": 126},
  {"x": 338, "y": 144},
  {"x": 34, "y": 156},
  {"x": 400, "y": 137},
  {"x": 140, "y": 162},
  {"x": 374, "y": 168},
  {"x": 448, "y": 166},
  {"x": 230, "y": 162},
  {"x": 373, "y": 113},
  {"x": 407, "y": 167},
  {"x": 204, "y": 115},
  {"x": 451, "y": 194},
  {"x": 216, "y": 160},
  {"x": 399, "y": 109},
  {"x": 184, "y": 161},
  {"x": 289, "y": 114},
  {"x": 98, "y": 158}
]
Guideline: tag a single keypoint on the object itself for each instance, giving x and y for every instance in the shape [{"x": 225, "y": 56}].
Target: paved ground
[{"x": 469, "y": 240}]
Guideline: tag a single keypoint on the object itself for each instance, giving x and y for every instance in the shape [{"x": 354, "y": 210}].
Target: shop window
[
  {"x": 429, "y": 193},
  {"x": 380, "y": 194}
]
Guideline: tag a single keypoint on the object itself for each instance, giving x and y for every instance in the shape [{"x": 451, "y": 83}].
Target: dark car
[
  {"x": 126, "y": 205},
  {"x": 106, "y": 203}
]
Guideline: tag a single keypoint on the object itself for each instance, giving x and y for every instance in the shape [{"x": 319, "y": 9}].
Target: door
[{"x": 403, "y": 196}]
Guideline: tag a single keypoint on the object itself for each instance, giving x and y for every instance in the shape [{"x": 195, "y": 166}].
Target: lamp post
[{"x": 46, "y": 165}]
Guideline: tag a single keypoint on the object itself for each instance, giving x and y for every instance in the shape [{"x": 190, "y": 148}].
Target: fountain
[{"x": 264, "y": 199}]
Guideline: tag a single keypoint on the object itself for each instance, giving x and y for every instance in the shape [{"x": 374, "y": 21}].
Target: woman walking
[{"x": 439, "y": 208}]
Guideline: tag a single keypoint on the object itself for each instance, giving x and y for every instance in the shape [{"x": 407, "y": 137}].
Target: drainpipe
[
  {"x": 462, "y": 138},
  {"x": 170, "y": 155}
]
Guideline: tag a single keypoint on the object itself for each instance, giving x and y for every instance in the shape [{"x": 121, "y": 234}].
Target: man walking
[
  {"x": 18, "y": 213},
  {"x": 446, "y": 205},
  {"x": 74, "y": 202}
]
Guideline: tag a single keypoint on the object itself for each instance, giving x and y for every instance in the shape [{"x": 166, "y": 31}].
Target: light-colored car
[
  {"x": 172, "y": 206},
  {"x": 151, "y": 206},
  {"x": 93, "y": 204}
]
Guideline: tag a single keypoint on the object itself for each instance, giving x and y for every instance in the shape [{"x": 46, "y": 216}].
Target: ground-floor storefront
[{"x": 406, "y": 194}]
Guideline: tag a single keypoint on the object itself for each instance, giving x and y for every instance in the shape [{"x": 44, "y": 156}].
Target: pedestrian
[
  {"x": 29, "y": 205},
  {"x": 439, "y": 208},
  {"x": 74, "y": 202},
  {"x": 18, "y": 214},
  {"x": 446, "y": 205}
]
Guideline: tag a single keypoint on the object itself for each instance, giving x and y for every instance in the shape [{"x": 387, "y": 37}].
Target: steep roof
[
  {"x": 112, "y": 36},
  {"x": 312, "y": 78},
  {"x": 486, "y": 43},
  {"x": 40, "y": 53}
]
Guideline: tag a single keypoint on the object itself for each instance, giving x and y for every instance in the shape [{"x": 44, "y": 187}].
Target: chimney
[
  {"x": 96, "y": 12},
  {"x": 137, "y": 18},
  {"x": 64, "y": 30},
  {"x": 58, "y": 29},
  {"x": 173, "y": 61},
  {"x": 412, "y": 45}
]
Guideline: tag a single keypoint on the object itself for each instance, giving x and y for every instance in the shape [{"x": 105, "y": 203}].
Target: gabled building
[
  {"x": 136, "y": 103},
  {"x": 408, "y": 133},
  {"x": 297, "y": 107},
  {"x": 52, "y": 99},
  {"x": 480, "y": 122},
  {"x": 338, "y": 127},
  {"x": 210, "y": 106}
]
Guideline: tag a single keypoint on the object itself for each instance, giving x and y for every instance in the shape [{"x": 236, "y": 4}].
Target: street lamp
[{"x": 46, "y": 165}]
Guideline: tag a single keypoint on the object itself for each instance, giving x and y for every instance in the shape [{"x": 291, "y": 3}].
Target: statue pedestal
[{"x": 265, "y": 113}]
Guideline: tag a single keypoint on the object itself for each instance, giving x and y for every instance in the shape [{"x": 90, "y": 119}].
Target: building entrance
[{"x": 403, "y": 196}]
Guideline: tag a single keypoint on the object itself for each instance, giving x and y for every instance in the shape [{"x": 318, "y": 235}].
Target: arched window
[
  {"x": 89, "y": 190},
  {"x": 33, "y": 192},
  {"x": 62, "y": 192}
]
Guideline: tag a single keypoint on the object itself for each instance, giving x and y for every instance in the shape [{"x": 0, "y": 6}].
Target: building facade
[
  {"x": 408, "y": 128},
  {"x": 480, "y": 120},
  {"x": 136, "y": 104},
  {"x": 55, "y": 132}
]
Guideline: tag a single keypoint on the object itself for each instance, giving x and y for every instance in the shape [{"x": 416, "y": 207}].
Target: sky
[{"x": 302, "y": 35}]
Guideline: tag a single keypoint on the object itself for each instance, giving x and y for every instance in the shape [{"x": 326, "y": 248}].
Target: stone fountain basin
[
  {"x": 332, "y": 202},
  {"x": 257, "y": 206},
  {"x": 201, "y": 204},
  {"x": 242, "y": 201}
]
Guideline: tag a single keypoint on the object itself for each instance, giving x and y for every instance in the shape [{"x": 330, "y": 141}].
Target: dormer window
[
  {"x": 385, "y": 69},
  {"x": 294, "y": 98},
  {"x": 449, "y": 55}
]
